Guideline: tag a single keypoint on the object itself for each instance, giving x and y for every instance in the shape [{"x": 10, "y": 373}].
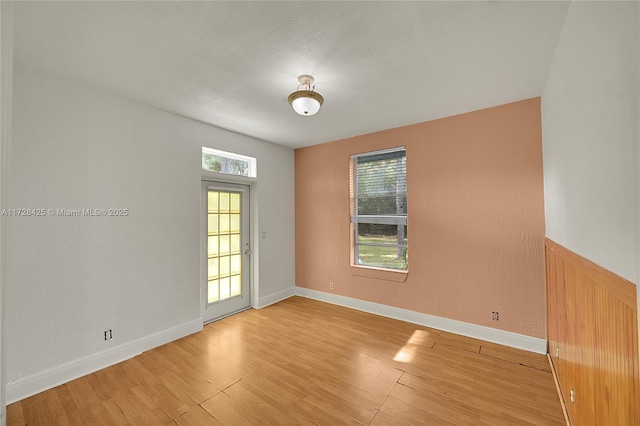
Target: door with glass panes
[{"x": 226, "y": 251}]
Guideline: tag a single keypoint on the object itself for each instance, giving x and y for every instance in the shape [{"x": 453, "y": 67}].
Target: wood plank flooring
[{"x": 303, "y": 362}]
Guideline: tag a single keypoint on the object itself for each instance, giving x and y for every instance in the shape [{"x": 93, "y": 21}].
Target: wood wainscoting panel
[{"x": 593, "y": 339}]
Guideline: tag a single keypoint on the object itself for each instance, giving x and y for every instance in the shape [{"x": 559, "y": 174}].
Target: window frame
[
  {"x": 252, "y": 162},
  {"x": 387, "y": 272}
]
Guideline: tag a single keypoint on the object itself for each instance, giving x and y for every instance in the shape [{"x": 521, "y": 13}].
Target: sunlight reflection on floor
[{"x": 409, "y": 349}]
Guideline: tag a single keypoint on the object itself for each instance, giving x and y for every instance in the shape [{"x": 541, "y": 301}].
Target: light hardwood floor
[{"x": 303, "y": 362}]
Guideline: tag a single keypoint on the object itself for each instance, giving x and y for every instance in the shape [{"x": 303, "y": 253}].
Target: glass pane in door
[{"x": 223, "y": 245}]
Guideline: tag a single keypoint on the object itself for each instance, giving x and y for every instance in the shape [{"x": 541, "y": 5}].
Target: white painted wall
[
  {"x": 6, "y": 67},
  {"x": 590, "y": 119},
  {"x": 70, "y": 278}
]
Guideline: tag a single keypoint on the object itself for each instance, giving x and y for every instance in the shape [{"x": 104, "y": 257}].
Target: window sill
[
  {"x": 379, "y": 273},
  {"x": 223, "y": 177}
]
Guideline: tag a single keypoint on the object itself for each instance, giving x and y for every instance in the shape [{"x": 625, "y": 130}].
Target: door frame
[{"x": 212, "y": 178}]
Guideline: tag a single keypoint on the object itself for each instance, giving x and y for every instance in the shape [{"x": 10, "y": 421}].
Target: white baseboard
[
  {"x": 507, "y": 338},
  {"x": 262, "y": 302},
  {"x": 28, "y": 386}
]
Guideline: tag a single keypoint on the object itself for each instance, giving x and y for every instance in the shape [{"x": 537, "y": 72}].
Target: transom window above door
[{"x": 228, "y": 163}]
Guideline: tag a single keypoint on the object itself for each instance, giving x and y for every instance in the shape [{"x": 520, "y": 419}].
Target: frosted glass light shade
[{"x": 306, "y": 102}]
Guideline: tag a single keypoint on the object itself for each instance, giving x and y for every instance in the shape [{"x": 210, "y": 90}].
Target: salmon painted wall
[{"x": 475, "y": 213}]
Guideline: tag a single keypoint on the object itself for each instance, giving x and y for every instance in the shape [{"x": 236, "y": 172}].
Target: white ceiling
[{"x": 378, "y": 65}]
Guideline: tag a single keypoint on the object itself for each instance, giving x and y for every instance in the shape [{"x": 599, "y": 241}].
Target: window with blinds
[{"x": 379, "y": 208}]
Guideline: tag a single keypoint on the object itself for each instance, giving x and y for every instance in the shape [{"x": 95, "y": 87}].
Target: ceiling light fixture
[{"x": 306, "y": 101}]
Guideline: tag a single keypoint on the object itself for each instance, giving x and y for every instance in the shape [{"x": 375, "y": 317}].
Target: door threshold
[{"x": 226, "y": 315}]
